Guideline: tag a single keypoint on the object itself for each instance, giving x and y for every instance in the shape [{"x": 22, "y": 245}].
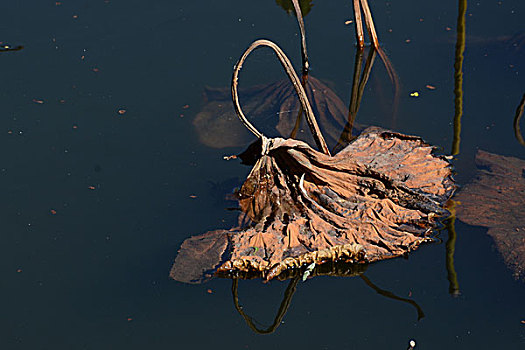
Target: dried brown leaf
[{"x": 376, "y": 199}]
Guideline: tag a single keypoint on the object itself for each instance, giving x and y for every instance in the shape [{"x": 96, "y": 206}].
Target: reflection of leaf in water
[
  {"x": 287, "y": 5},
  {"x": 218, "y": 126},
  {"x": 496, "y": 200}
]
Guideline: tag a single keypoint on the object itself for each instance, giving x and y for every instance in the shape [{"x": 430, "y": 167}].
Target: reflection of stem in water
[
  {"x": 458, "y": 76},
  {"x": 356, "y": 96},
  {"x": 358, "y": 88},
  {"x": 285, "y": 304},
  {"x": 519, "y": 113},
  {"x": 385, "y": 293},
  {"x": 287, "y": 299},
  {"x": 287, "y": 65},
  {"x": 453, "y": 286},
  {"x": 358, "y": 4},
  {"x": 450, "y": 246}
]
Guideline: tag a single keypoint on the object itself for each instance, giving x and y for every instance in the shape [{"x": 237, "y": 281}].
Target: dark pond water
[{"x": 95, "y": 202}]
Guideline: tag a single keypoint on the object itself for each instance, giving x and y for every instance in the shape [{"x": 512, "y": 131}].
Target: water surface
[{"x": 96, "y": 202}]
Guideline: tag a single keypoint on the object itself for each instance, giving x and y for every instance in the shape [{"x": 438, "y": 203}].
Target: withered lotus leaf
[
  {"x": 376, "y": 199},
  {"x": 496, "y": 199}
]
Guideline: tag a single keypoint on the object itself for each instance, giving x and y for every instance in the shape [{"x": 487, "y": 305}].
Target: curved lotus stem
[
  {"x": 285, "y": 304},
  {"x": 285, "y": 62}
]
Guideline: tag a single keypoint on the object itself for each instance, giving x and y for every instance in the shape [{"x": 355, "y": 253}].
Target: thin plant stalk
[
  {"x": 354, "y": 97},
  {"x": 358, "y": 86},
  {"x": 359, "y": 34},
  {"x": 364, "y": 79},
  {"x": 287, "y": 65},
  {"x": 306, "y": 64},
  {"x": 458, "y": 113},
  {"x": 458, "y": 76},
  {"x": 369, "y": 23},
  {"x": 304, "y": 53}
]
